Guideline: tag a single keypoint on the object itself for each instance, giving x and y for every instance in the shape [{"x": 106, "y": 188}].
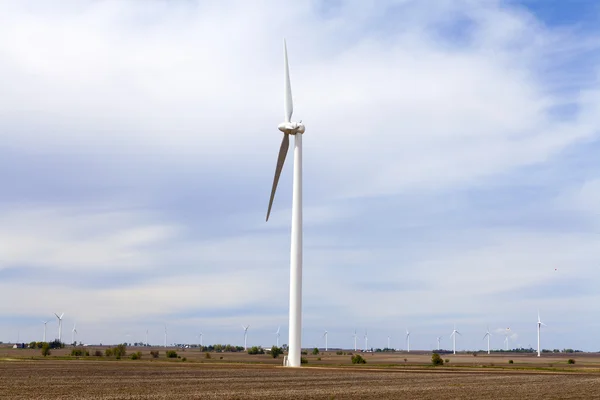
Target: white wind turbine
[
  {"x": 297, "y": 129},
  {"x": 506, "y": 338},
  {"x": 354, "y": 340},
  {"x": 388, "y": 346},
  {"x": 325, "y": 336},
  {"x": 45, "y": 322},
  {"x": 277, "y": 334},
  {"x": 366, "y": 340},
  {"x": 59, "y": 325},
  {"x": 438, "y": 340},
  {"x": 245, "y": 335},
  {"x": 73, "y": 333},
  {"x": 539, "y": 327},
  {"x": 488, "y": 334},
  {"x": 165, "y": 335},
  {"x": 407, "y": 341},
  {"x": 200, "y": 336},
  {"x": 453, "y": 336},
  {"x": 146, "y": 337}
]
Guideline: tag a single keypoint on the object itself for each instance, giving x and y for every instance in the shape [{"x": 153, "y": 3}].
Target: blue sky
[{"x": 451, "y": 170}]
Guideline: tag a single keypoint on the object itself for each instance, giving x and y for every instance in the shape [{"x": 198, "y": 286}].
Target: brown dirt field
[{"x": 126, "y": 379}]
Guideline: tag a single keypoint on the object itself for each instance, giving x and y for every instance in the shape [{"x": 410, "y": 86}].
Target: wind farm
[{"x": 160, "y": 197}]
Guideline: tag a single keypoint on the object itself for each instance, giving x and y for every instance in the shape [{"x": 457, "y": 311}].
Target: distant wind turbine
[
  {"x": 45, "y": 322},
  {"x": 73, "y": 333},
  {"x": 165, "y": 335},
  {"x": 438, "y": 340},
  {"x": 366, "y": 340},
  {"x": 59, "y": 325},
  {"x": 277, "y": 334},
  {"x": 325, "y": 336},
  {"x": 453, "y": 335},
  {"x": 245, "y": 335},
  {"x": 200, "y": 336},
  {"x": 488, "y": 334},
  {"x": 146, "y": 337},
  {"x": 506, "y": 338},
  {"x": 389, "y": 348},
  {"x": 539, "y": 327},
  {"x": 407, "y": 341},
  {"x": 355, "y": 340}
]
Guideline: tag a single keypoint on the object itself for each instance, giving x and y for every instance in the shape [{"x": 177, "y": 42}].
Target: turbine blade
[
  {"x": 285, "y": 144},
  {"x": 289, "y": 106}
]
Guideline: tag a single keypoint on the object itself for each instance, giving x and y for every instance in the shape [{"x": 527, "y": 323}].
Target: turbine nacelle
[{"x": 291, "y": 128}]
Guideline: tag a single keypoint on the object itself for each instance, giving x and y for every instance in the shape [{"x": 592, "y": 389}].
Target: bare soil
[{"x": 53, "y": 378}]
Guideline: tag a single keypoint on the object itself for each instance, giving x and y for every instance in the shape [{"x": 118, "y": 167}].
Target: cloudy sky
[{"x": 451, "y": 170}]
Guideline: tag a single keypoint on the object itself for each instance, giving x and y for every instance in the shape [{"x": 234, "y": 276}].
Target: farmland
[{"x": 24, "y": 374}]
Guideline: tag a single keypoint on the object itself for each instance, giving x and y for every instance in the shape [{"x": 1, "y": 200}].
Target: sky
[{"x": 450, "y": 170}]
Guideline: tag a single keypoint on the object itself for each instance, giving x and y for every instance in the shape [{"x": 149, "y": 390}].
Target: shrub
[
  {"x": 339, "y": 353},
  {"x": 511, "y": 362},
  {"x": 318, "y": 358},
  {"x": 358, "y": 359},
  {"x": 76, "y": 353},
  {"x": 98, "y": 353},
  {"x": 46, "y": 349},
  {"x": 315, "y": 351},
  {"x": 171, "y": 354},
  {"x": 571, "y": 361},
  {"x": 154, "y": 353},
  {"x": 207, "y": 355},
  {"x": 108, "y": 352},
  {"x": 184, "y": 359},
  {"x": 136, "y": 356},
  {"x": 474, "y": 354},
  {"x": 276, "y": 351},
  {"x": 303, "y": 360},
  {"x": 436, "y": 359},
  {"x": 256, "y": 350},
  {"x": 304, "y": 352},
  {"x": 447, "y": 360},
  {"x": 220, "y": 358}
]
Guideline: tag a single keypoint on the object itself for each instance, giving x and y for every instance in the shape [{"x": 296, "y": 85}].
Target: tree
[
  {"x": 276, "y": 351},
  {"x": 315, "y": 351},
  {"x": 46, "y": 349},
  {"x": 357, "y": 359},
  {"x": 436, "y": 359}
]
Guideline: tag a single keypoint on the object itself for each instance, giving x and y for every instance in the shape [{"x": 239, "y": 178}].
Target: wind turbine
[
  {"x": 366, "y": 340},
  {"x": 325, "y": 336},
  {"x": 506, "y": 338},
  {"x": 407, "y": 341},
  {"x": 354, "y": 340},
  {"x": 146, "y": 337},
  {"x": 73, "y": 333},
  {"x": 438, "y": 340},
  {"x": 539, "y": 327},
  {"x": 388, "y": 346},
  {"x": 200, "y": 336},
  {"x": 488, "y": 334},
  {"x": 245, "y": 335},
  {"x": 165, "y": 335},
  {"x": 453, "y": 335},
  {"x": 277, "y": 333},
  {"x": 59, "y": 324},
  {"x": 297, "y": 129},
  {"x": 45, "y": 322}
]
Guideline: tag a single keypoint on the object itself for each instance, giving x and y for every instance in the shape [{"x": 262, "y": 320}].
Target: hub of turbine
[{"x": 291, "y": 128}]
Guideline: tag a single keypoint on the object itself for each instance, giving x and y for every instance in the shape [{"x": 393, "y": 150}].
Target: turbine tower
[
  {"x": 438, "y": 340},
  {"x": 245, "y": 328},
  {"x": 539, "y": 327},
  {"x": 355, "y": 340},
  {"x": 73, "y": 333},
  {"x": 146, "y": 337},
  {"x": 165, "y": 335},
  {"x": 407, "y": 341},
  {"x": 488, "y": 334},
  {"x": 45, "y": 322},
  {"x": 325, "y": 336},
  {"x": 506, "y": 338},
  {"x": 200, "y": 336},
  {"x": 388, "y": 346},
  {"x": 453, "y": 336},
  {"x": 277, "y": 333},
  {"x": 59, "y": 324},
  {"x": 366, "y": 340},
  {"x": 297, "y": 129}
]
